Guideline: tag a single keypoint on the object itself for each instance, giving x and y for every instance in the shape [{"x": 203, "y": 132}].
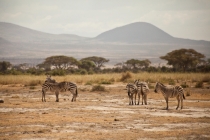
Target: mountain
[
  {"x": 138, "y": 40},
  {"x": 16, "y": 33},
  {"x": 141, "y": 33}
]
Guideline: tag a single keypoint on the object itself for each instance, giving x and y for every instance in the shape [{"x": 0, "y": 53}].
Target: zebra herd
[
  {"x": 141, "y": 88},
  {"x": 133, "y": 89}
]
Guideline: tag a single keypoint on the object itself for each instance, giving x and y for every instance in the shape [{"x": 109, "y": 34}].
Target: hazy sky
[{"x": 88, "y": 18}]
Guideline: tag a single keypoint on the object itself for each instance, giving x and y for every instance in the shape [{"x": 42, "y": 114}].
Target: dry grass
[{"x": 178, "y": 78}]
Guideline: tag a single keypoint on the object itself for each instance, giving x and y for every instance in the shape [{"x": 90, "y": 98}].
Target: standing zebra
[
  {"x": 170, "y": 92},
  {"x": 131, "y": 89},
  {"x": 53, "y": 87},
  {"x": 72, "y": 87},
  {"x": 142, "y": 89}
]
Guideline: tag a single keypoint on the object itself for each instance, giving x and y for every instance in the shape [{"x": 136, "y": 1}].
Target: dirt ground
[{"x": 101, "y": 115}]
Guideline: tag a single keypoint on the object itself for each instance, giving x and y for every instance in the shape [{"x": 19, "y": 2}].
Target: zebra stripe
[
  {"x": 131, "y": 89},
  {"x": 72, "y": 87},
  {"x": 142, "y": 90},
  {"x": 53, "y": 87},
  {"x": 169, "y": 91}
]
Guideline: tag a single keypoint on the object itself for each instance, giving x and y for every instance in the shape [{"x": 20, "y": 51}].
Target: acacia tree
[
  {"x": 4, "y": 65},
  {"x": 87, "y": 65},
  {"x": 135, "y": 63},
  {"x": 183, "y": 59},
  {"x": 98, "y": 61},
  {"x": 61, "y": 62}
]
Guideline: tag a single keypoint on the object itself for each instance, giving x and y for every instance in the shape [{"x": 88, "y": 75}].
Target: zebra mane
[{"x": 161, "y": 84}]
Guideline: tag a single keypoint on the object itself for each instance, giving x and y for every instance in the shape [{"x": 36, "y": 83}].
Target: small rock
[{"x": 1, "y": 101}]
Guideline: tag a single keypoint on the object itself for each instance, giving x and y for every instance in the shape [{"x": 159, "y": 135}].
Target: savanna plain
[{"x": 102, "y": 110}]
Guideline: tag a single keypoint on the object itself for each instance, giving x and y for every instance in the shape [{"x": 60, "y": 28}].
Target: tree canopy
[
  {"x": 4, "y": 65},
  {"x": 183, "y": 58},
  {"x": 135, "y": 63},
  {"x": 61, "y": 62},
  {"x": 99, "y": 61},
  {"x": 87, "y": 65}
]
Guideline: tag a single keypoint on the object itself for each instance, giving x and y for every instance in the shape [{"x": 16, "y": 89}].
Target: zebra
[
  {"x": 72, "y": 87},
  {"x": 142, "y": 89},
  {"x": 131, "y": 89},
  {"x": 48, "y": 79},
  {"x": 169, "y": 91},
  {"x": 54, "y": 87}
]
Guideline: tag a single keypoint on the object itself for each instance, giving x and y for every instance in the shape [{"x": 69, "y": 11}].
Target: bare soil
[{"x": 101, "y": 115}]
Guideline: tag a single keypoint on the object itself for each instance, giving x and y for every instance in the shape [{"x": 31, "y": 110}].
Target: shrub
[
  {"x": 98, "y": 88},
  {"x": 83, "y": 72},
  {"x": 184, "y": 85},
  {"x": 199, "y": 84},
  {"x": 34, "y": 83},
  {"x": 126, "y": 76}
]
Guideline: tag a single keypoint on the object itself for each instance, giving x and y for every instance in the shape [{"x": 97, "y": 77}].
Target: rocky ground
[{"x": 103, "y": 115}]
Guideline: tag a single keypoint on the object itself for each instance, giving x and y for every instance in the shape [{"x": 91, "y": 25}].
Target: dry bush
[
  {"x": 199, "y": 84},
  {"x": 98, "y": 88},
  {"x": 125, "y": 76}
]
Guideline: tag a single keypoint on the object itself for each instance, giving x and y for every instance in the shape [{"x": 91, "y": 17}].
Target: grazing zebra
[
  {"x": 131, "y": 89},
  {"x": 169, "y": 91},
  {"x": 72, "y": 87},
  {"x": 54, "y": 87},
  {"x": 48, "y": 79},
  {"x": 142, "y": 89}
]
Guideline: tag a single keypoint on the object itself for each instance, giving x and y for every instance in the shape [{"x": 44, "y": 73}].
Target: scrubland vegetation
[{"x": 168, "y": 78}]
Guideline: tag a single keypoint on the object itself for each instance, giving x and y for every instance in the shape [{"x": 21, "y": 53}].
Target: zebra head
[
  {"x": 157, "y": 86},
  {"x": 128, "y": 88},
  {"x": 49, "y": 80},
  {"x": 136, "y": 81},
  {"x": 145, "y": 86}
]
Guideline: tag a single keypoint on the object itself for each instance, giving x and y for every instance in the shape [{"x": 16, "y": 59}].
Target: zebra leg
[
  {"x": 145, "y": 99},
  {"x": 142, "y": 103},
  {"x": 43, "y": 96},
  {"x": 73, "y": 98},
  {"x": 181, "y": 102},
  {"x": 166, "y": 103},
  {"x": 178, "y": 99},
  {"x": 132, "y": 99},
  {"x": 135, "y": 99},
  {"x": 138, "y": 98},
  {"x": 57, "y": 93}
]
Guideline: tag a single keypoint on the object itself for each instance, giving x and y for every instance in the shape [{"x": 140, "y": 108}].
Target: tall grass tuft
[
  {"x": 125, "y": 76},
  {"x": 98, "y": 88}
]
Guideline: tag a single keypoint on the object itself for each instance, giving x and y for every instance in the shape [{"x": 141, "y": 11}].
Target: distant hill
[
  {"x": 137, "y": 40},
  {"x": 16, "y": 33},
  {"x": 142, "y": 32}
]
